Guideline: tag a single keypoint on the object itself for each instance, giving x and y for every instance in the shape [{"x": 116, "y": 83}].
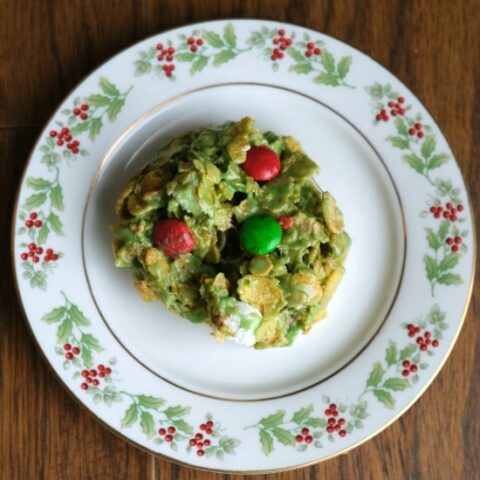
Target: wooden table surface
[{"x": 47, "y": 46}]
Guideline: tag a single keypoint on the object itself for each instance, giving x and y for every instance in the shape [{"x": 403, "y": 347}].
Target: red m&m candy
[
  {"x": 173, "y": 237},
  {"x": 262, "y": 163}
]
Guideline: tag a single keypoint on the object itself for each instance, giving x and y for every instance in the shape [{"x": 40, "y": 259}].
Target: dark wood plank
[{"x": 44, "y": 433}]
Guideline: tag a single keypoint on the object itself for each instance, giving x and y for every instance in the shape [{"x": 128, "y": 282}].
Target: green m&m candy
[{"x": 261, "y": 234}]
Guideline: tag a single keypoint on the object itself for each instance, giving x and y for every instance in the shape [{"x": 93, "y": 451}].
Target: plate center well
[{"x": 184, "y": 353}]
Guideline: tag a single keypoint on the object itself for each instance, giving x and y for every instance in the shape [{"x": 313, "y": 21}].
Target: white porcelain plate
[{"x": 162, "y": 382}]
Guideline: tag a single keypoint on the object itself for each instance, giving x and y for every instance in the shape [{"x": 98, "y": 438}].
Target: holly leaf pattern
[
  {"x": 266, "y": 440},
  {"x": 273, "y": 420},
  {"x": 376, "y": 375},
  {"x": 385, "y": 397}
]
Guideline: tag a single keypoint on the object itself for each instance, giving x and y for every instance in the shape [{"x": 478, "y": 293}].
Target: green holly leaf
[
  {"x": 37, "y": 183},
  {"x": 108, "y": 87},
  {"x": 301, "y": 415},
  {"x": 344, "y": 66},
  {"x": 328, "y": 61},
  {"x": 326, "y": 79},
  {"x": 148, "y": 401},
  {"x": 64, "y": 330},
  {"x": 222, "y": 57},
  {"x": 407, "y": 352},
  {"x": 302, "y": 68},
  {"x": 266, "y": 440},
  {"x": 391, "y": 353},
  {"x": 96, "y": 125},
  {"x": 142, "y": 67},
  {"x": 39, "y": 279},
  {"x": 273, "y": 420},
  {"x": 256, "y": 39},
  {"x": 78, "y": 317},
  {"x": 99, "y": 100},
  {"x": 385, "y": 397},
  {"x": 229, "y": 444},
  {"x": 55, "y": 223},
  {"x": 185, "y": 57},
  {"x": 450, "y": 279},
  {"x": 130, "y": 416},
  {"x": 177, "y": 411},
  {"x": 229, "y": 36},
  {"x": 91, "y": 342},
  {"x": 183, "y": 426},
  {"x": 449, "y": 262},
  {"x": 296, "y": 55},
  {"x": 114, "y": 108},
  {"x": 315, "y": 422},
  {"x": 443, "y": 230},
  {"x": 430, "y": 267},
  {"x": 35, "y": 200},
  {"x": 147, "y": 423},
  {"x": 283, "y": 436},
  {"x": 79, "y": 128},
  {"x": 213, "y": 39},
  {"x": 415, "y": 162},
  {"x": 43, "y": 234},
  {"x": 401, "y": 125},
  {"x": 376, "y": 375},
  {"x": 199, "y": 64},
  {"x": 433, "y": 240},
  {"x": 54, "y": 315},
  {"x": 56, "y": 197},
  {"x": 375, "y": 91},
  {"x": 399, "y": 142},
  {"x": 438, "y": 160},
  {"x": 396, "y": 384},
  {"x": 428, "y": 146},
  {"x": 87, "y": 357}
]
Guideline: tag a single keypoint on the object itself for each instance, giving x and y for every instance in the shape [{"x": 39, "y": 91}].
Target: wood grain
[{"x": 46, "y": 47}]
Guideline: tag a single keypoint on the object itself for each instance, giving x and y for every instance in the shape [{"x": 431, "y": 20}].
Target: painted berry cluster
[
  {"x": 398, "y": 371},
  {"x": 207, "y": 48},
  {"x": 158, "y": 421},
  {"x": 40, "y": 213}
]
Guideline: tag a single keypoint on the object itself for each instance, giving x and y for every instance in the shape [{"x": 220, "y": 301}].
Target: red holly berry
[
  {"x": 33, "y": 215},
  {"x": 281, "y": 32},
  {"x": 310, "y": 45},
  {"x": 169, "y": 58},
  {"x": 54, "y": 257},
  {"x": 160, "y": 46},
  {"x": 101, "y": 374},
  {"x": 192, "y": 442},
  {"x": 49, "y": 251},
  {"x": 37, "y": 223},
  {"x": 435, "y": 343},
  {"x": 342, "y": 433},
  {"x": 108, "y": 371},
  {"x": 200, "y": 445},
  {"x": 378, "y": 117},
  {"x": 83, "y": 116},
  {"x": 162, "y": 431},
  {"x": 420, "y": 134},
  {"x": 401, "y": 100},
  {"x": 168, "y": 438},
  {"x": 449, "y": 205},
  {"x": 95, "y": 383},
  {"x": 39, "y": 250},
  {"x": 207, "y": 442},
  {"x": 174, "y": 237},
  {"x": 406, "y": 363},
  {"x": 449, "y": 240},
  {"x": 75, "y": 350},
  {"x": 60, "y": 142},
  {"x": 330, "y": 429},
  {"x": 455, "y": 248},
  {"x": 199, "y": 41},
  {"x": 69, "y": 355},
  {"x": 31, "y": 253},
  {"x": 209, "y": 424},
  {"x": 411, "y": 131},
  {"x": 84, "y": 106},
  {"x": 394, "y": 113},
  {"x": 417, "y": 329},
  {"x": 190, "y": 41},
  {"x": 460, "y": 208},
  {"x": 53, "y": 133},
  {"x": 418, "y": 126},
  {"x": 305, "y": 431},
  {"x": 288, "y": 41},
  {"x": 458, "y": 240},
  {"x": 317, "y": 51},
  {"x": 93, "y": 372},
  {"x": 405, "y": 373},
  {"x": 413, "y": 368},
  {"x": 24, "y": 256},
  {"x": 83, "y": 386},
  {"x": 198, "y": 436},
  {"x": 299, "y": 439},
  {"x": 262, "y": 163},
  {"x": 420, "y": 340},
  {"x": 160, "y": 57},
  {"x": 200, "y": 453},
  {"x": 453, "y": 218},
  {"x": 76, "y": 111},
  {"x": 193, "y": 48},
  {"x": 171, "y": 429},
  {"x": 309, "y": 439},
  {"x": 273, "y": 57},
  {"x": 67, "y": 347},
  {"x": 341, "y": 422},
  {"x": 423, "y": 348},
  {"x": 84, "y": 373},
  {"x": 100, "y": 367}
]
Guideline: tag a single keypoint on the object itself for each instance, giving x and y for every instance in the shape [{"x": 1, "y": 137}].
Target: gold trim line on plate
[{"x": 140, "y": 121}]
